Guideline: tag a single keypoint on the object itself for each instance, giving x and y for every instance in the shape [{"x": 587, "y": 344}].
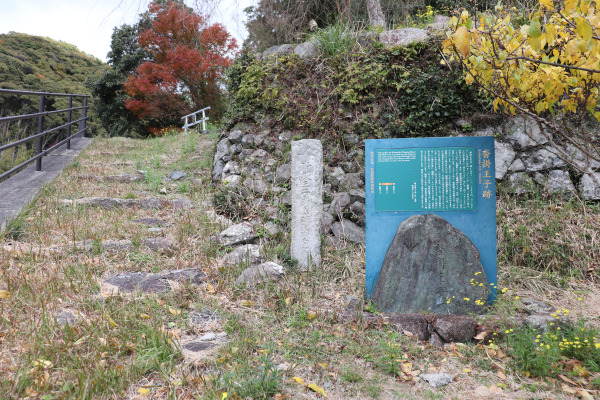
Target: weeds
[{"x": 335, "y": 40}]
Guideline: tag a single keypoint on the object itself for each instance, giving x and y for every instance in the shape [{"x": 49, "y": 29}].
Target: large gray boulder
[
  {"x": 558, "y": 181},
  {"x": 504, "y": 156},
  {"x": 275, "y": 51},
  {"x": 403, "y": 37},
  {"x": 306, "y": 50},
  {"x": 526, "y": 133},
  {"x": 590, "y": 190},
  {"x": 519, "y": 183},
  {"x": 440, "y": 24},
  {"x": 432, "y": 267},
  {"x": 543, "y": 159}
]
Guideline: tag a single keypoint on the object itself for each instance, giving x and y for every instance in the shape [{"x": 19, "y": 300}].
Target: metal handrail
[
  {"x": 196, "y": 121},
  {"x": 40, "y": 152},
  {"x": 29, "y": 116}
]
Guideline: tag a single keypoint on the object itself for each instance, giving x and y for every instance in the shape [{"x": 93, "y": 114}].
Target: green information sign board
[
  {"x": 452, "y": 177},
  {"x": 425, "y": 179}
]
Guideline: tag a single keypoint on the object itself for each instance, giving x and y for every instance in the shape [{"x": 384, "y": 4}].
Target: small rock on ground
[
  {"x": 437, "y": 380},
  {"x": 261, "y": 273},
  {"x": 177, "y": 175},
  {"x": 236, "y": 234},
  {"x": 247, "y": 252}
]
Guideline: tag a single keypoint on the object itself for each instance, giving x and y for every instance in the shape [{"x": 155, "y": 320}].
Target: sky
[{"x": 88, "y": 24}]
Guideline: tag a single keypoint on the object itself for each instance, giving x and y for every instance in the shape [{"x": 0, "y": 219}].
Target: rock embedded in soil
[
  {"x": 264, "y": 272},
  {"x": 236, "y": 234},
  {"x": 428, "y": 263},
  {"x": 402, "y": 37},
  {"x": 125, "y": 178},
  {"x": 180, "y": 203},
  {"x": 247, "y": 252},
  {"x": 455, "y": 328},
  {"x": 519, "y": 183},
  {"x": 283, "y": 173},
  {"x": 149, "y": 221},
  {"x": 127, "y": 282},
  {"x": 66, "y": 318},
  {"x": 151, "y": 203},
  {"x": 590, "y": 190},
  {"x": 557, "y": 181},
  {"x": 437, "y": 380},
  {"x": 177, "y": 175},
  {"x": 306, "y": 50},
  {"x": 348, "y": 230},
  {"x": 186, "y": 275},
  {"x": 158, "y": 244},
  {"x": 542, "y": 159},
  {"x": 155, "y": 283},
  {"x": 198, "y": 346},
  {"x": 504, "y": 156}
]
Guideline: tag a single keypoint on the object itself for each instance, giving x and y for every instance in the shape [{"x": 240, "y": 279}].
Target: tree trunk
[{"x": 376, "y": 17}]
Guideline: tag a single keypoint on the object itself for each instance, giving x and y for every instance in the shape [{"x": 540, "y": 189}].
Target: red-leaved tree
[{"x": 189, "y": 59}]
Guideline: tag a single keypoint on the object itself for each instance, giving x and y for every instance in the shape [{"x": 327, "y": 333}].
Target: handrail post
[
  {"x": 38, "y": 162},
  {"x": 203, "y": 121},
  {"x": 69, "y": 122},
  {"x": 82, "y": 124}
]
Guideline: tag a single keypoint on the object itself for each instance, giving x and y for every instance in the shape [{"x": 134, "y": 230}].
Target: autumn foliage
[
  {"x": 188, "y": 59},
  {"x": 546, "y": 67}
]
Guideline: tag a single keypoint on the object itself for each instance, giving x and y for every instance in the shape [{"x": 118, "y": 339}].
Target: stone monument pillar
[{"x": 307, "y": 201}]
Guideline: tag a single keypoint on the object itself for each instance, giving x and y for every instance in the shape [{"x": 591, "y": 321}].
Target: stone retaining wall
[{"x": 258, "y": 163}]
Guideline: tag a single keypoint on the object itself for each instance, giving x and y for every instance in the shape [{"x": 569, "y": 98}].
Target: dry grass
[{"x": 127, "y": 346}]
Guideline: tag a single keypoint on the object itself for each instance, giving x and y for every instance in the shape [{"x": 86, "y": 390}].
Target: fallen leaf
[
  {"x": 567, "y": 389},
  {"x": 481, "y": 391},
  {"x": 501, "y": 375},
  {"x": 495, "y": 389},
  {"x": 582, "y": 372},
  {"x": 288, "y": 301},
  {"x": 466, "y": 370},
  {"x": 174, "y": 311},
  {"x": 407, "y": 368},
  {"x": 316, "y": 388},
  {"x": 247, "y": 303},
  {"x": 280, "y": 396},
  {"x": 481, "y": 335},
  {"x": 323, "y": 365},
  {"x": 40, "y": 362},
  {"x": 500, "y": 354},
  {"x": 407, "y": 333},
  {"x": 584, "y": 394},
  {"x": 4, "y": 294},
  {"x": 298, "y": 380},
  {"x": 311, "y": 315},
  {"x": 210, "y": 289},
  {"x": 143, "y": 390},
  {"x": 144, "y": 316},
  {"x": 564, "y": 378}
]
